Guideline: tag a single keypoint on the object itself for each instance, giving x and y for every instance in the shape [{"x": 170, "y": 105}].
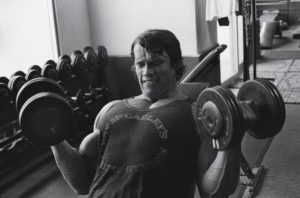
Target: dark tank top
[{"x": 147, "y": 153}]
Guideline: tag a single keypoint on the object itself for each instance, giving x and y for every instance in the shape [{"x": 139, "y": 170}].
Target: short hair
[{"x": 156, "y": 41}]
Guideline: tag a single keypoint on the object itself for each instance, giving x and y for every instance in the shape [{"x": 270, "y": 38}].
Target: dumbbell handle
[{"x": 250, "y": 113}]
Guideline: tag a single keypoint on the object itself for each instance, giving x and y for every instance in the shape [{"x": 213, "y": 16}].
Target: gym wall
[{"x": 115, "y": 25}]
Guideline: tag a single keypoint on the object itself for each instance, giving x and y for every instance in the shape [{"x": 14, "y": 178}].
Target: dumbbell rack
[{"x": 17, "y": 154}]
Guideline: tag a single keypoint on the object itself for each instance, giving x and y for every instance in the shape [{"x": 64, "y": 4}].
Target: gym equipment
[
  {"x": 269, "y": 108},
  {"x": 5, "y": 95},
  {"x": 91, "y": 58},
  {"x": 64, "y": 68},
  {"x": 35, "y": 67},
  {"x": 4, "y": 80},
  {"x": 80, "y": 70},
  {"x": 258, "y": 109},
  {"x": 102, "y": 56},
  {"x": 79, "y": 64},
  {"x": 95, "y": 74},
  {"x": 49, "y": 71},
  {"x": 36, "y": 86},
  {"x": 15, "y": 83},
  {"x": 47, "y": 116},
  {"x": 50, "y": 61},
  {"x": 32, "y": 73},
  {"x": 18, "y": 73}
]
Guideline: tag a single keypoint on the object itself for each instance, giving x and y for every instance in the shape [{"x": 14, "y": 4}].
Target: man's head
[
  {"x": 157, "y": 62},
  {"x": 156, "y": 41}
]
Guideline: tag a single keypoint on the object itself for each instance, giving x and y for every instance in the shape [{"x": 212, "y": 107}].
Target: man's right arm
[{"x": 78, "y": 166}]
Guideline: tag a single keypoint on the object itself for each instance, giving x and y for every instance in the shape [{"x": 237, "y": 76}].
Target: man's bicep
[{"x": 89, "y": 147}]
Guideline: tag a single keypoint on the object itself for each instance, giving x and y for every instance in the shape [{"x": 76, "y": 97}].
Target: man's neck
[{"x": 159, "y": 101}]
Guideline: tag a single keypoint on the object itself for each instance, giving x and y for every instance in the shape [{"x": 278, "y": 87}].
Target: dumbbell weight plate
[
  {"x": 31, "y": 74},
  {"x": 227, "y": 126},
  {"x": 49, "y": 71},
  {"x": 276, "y": 94},
  {"x": 87, "y": 48},
  {"x": 47, "y": 119},
  {"x": 35, "y": 86},
  {"x": 76, "y": 52},
  {"x": 64, "y": 68},
  {"x": 51, "y": 62},
  {"x": 102, "y": 55},
  {"x": 270, "y": 120},
  {"x": 18, "y": 73},
  {"x": 236, "y": 113},
  {"x": 91, "y": 59},
  {"x": 4, "y": 80},
  {"x": 5, "y": 95},
  {"x": 79, "y": 65},
  {"x": 35, "y": 67},
  {"x": 15, "y": 83}
]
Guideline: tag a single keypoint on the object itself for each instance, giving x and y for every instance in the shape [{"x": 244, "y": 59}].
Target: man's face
[{"x": 154, "y": 72}]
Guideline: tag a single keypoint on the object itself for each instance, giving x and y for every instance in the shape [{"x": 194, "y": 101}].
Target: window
[{"x": 27, "y": 34}]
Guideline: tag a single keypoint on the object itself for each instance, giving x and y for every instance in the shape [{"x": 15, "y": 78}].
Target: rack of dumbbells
[{"x": 77, "y": 80}]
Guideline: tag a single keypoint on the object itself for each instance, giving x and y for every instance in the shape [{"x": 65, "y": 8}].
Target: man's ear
[{"x": 132, "y": 68}]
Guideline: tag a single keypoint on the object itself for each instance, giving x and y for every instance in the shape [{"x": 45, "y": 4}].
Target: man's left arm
[{"x": 217, "y": 171}]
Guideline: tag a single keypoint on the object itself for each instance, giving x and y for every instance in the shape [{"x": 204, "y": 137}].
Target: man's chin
[{"x": 151, "y": 96}]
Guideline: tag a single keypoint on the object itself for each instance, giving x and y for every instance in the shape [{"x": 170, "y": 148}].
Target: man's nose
[{"x": 148, "y": 69}]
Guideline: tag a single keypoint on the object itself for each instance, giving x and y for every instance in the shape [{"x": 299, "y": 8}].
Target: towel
[{"x": 216, "y": 9}]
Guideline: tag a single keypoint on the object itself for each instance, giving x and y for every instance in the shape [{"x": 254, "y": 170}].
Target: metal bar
[
  {"x": 212, "y": 54},
  {"x": 254, "y": 46},
  {"x": 246, "y": 167}
]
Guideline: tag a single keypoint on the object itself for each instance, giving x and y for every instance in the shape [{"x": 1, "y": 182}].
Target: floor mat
[{"x": 289, "y": 87}]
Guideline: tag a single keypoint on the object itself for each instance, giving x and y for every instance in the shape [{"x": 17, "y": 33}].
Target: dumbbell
[
  {"x": 91, "y": 58},
  {"x": 90, "y": 102},
  {"x": 64, "y": 68},
  {"x": 46, "y": 117},
  {"x": 33, "y": 71},
  {"x": 94, "y": 94},
  {"x": 95, "y": 71},
  {"x": 102, "y": 56},
  {"x": 258, "y": 109},
  {"x": 5, "y": 94},
  {"x": 35, "y": 67},
  {"x": 15, "y": 83},
  {"x": 67, "y": 78},
  {"x": 80, "y": 69},
  {"x": 18, "y": 73},
  {"x": 4, "y": 80},
  {"x": 49, "y": 70}
]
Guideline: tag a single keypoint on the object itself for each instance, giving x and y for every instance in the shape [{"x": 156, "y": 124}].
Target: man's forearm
[
  {"x": 73, "y": 167},
  {"x": 222, "y": 176}
]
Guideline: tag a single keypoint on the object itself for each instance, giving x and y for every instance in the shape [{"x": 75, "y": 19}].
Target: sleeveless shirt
[{"x": 147, "y": 153}]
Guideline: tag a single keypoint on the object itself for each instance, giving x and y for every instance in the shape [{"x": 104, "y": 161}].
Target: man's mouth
[{"x": 149, "y": 81}]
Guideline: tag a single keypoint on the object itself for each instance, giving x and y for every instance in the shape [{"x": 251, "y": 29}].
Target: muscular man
[{"x": 149, "y": 145}]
